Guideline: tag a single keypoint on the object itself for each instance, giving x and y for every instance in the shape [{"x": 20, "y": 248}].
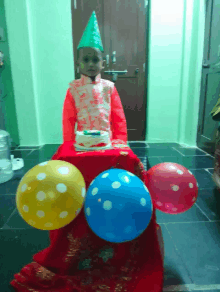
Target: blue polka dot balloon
[{"x": 118, "y": 206}]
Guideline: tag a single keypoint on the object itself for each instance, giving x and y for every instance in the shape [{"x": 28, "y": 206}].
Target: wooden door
[
  {"x": 210, "y": 86},
  {"x": 123, "y": 25}
]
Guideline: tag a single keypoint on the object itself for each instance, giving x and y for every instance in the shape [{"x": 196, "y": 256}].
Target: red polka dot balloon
[{"x": 173, "y": 188}]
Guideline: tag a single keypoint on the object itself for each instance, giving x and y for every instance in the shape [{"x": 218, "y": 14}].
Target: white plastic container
[{"x": 6, "y": 171}]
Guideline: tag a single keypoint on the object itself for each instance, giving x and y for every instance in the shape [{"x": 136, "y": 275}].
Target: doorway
[
  {"x": 210, "y": 85},
  {"x": 124, "y": 28}
]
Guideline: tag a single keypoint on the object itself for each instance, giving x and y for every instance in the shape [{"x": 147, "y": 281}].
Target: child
[
  {"x": 91, "y": 102},
  {"x": 77, "y": 259}
]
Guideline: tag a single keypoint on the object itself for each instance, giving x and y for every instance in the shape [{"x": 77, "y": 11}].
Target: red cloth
[
  {"x": 75, "y": 259},
  {"x": 116, "y": 117}
]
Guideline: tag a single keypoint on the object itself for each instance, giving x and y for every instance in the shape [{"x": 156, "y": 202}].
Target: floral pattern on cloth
[
  {"x": 93, "y": 106},
  {"x": 93, "y": 103},
  {"x": 78, "y": 260}
]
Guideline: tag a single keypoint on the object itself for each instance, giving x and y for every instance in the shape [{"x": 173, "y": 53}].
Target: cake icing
[{"x": 92, "y": 140}]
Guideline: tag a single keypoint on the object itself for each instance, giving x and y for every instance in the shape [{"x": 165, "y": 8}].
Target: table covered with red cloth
[{"x": 78, "y": 260}]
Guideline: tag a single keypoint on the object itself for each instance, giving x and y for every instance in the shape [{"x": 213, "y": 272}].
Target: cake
[{"x": 92, "y": 140}]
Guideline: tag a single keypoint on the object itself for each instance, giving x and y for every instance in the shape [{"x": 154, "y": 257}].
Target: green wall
[
  {"x": 9, "y": 99},
  {"x": 176, "y": 50},
  {"x": 41, "y": 56}
]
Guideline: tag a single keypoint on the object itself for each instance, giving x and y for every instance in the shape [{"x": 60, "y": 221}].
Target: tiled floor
[{"x": 192, "y": 239}]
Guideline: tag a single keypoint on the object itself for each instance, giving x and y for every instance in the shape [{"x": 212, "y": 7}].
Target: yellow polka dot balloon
[{"x": 51, "y": 195}]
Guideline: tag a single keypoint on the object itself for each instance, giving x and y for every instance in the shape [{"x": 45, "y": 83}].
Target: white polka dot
[
  {"x": 43, "y": 163},
  {"x": 174, "y": 209},
  {"x": 95, "y": 191},
  {"x": 40, "y": 214},
  {"x": 31, "y": 222},
  {"x": 23, "y": 188},
  {"x": 143, "y": 202},
  {"x": 41, "y": 176},
  {"x": 41, "y": 196},
  {"x": 88, "y": 212},
  {"x": 190, "y": 172},
  {"x": 128, "y": 229},
  {"x": 131, "y": 174},
  {"x": 25, "y": 208},
  {"x": 107, "y": 205},
  {"x": 159, "y": 204},
  {"x": 105, "y": 175},
  {"x": 190, "y": 185},
  {"x": 48, "y": 224},
  {"x": 126, "y": 179},
  {"x": 63, "y": 170},
  {"x": 92, "y": 182},
  {"x": 110, "y": 235},
  {"x": 175, "y": 188},
  {"x": 63, "y": 214},
  {"x": 83, "y": 192},
  {"x": 61, "y": 188},
  {"x": 116, "y": 185},
  {"x": 179, "y": 171}
]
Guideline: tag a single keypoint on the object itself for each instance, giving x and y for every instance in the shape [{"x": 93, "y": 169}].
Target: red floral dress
[
  {"x": 77, "y": 259},
  {"x": 93, "y": 106}
]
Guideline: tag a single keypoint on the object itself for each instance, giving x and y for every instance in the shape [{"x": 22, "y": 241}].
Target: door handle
[
  {"x": 107, "y": 60},
  {"x": 205, "y": 65},
  {"x": 114, "y": 57},
  {"x": 116, "y": 72}
]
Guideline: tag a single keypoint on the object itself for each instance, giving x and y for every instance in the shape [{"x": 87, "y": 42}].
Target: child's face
[{"x": 90, "y": 62}]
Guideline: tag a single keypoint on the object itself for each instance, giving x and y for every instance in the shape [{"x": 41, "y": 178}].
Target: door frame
[{"x": 201, "y": 141}]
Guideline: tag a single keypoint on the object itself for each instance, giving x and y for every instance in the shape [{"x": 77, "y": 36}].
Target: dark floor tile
[
  {"x": 193, "y": 162},
  {"x": 198, "y": 245},
  {"x": 204, "y": 178},
  {"x": 21, "y": 153},
  {"x": 211, "y": 170},
  {"x": 138, "y": 144},
  {"x": 17, "y": 248},
  {"x": 29, "y": 147},
  {"x": 7, "y": 206},
  {"x": 2, "y": 189},
  {"x": 151, "y": 152},
  {"x": 175, "y": 272},
  {"x": 194, "y": 214},
  {"x": 162, "y": 146},
  {"x": 152, "y": 161},
  {"x": 190, "y": 151},
  {"x": 45, "y": 153},
  {"x": 12, "y": 185},
  {"x": 16, "y": 221},
  {"x": 209, "y": 202},
  {"x": 28, "y": 164}
]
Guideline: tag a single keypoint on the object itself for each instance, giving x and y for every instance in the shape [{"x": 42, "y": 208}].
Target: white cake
[{"x": 92, "y": 140}]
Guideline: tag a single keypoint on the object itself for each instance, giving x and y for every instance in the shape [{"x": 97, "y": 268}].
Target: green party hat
[{"x": 91, "y": 35}]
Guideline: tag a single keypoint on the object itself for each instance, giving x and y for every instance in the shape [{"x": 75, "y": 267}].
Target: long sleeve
[
  {"x": 118, "y": 120},
  {"x": 69, "y": 118}
]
